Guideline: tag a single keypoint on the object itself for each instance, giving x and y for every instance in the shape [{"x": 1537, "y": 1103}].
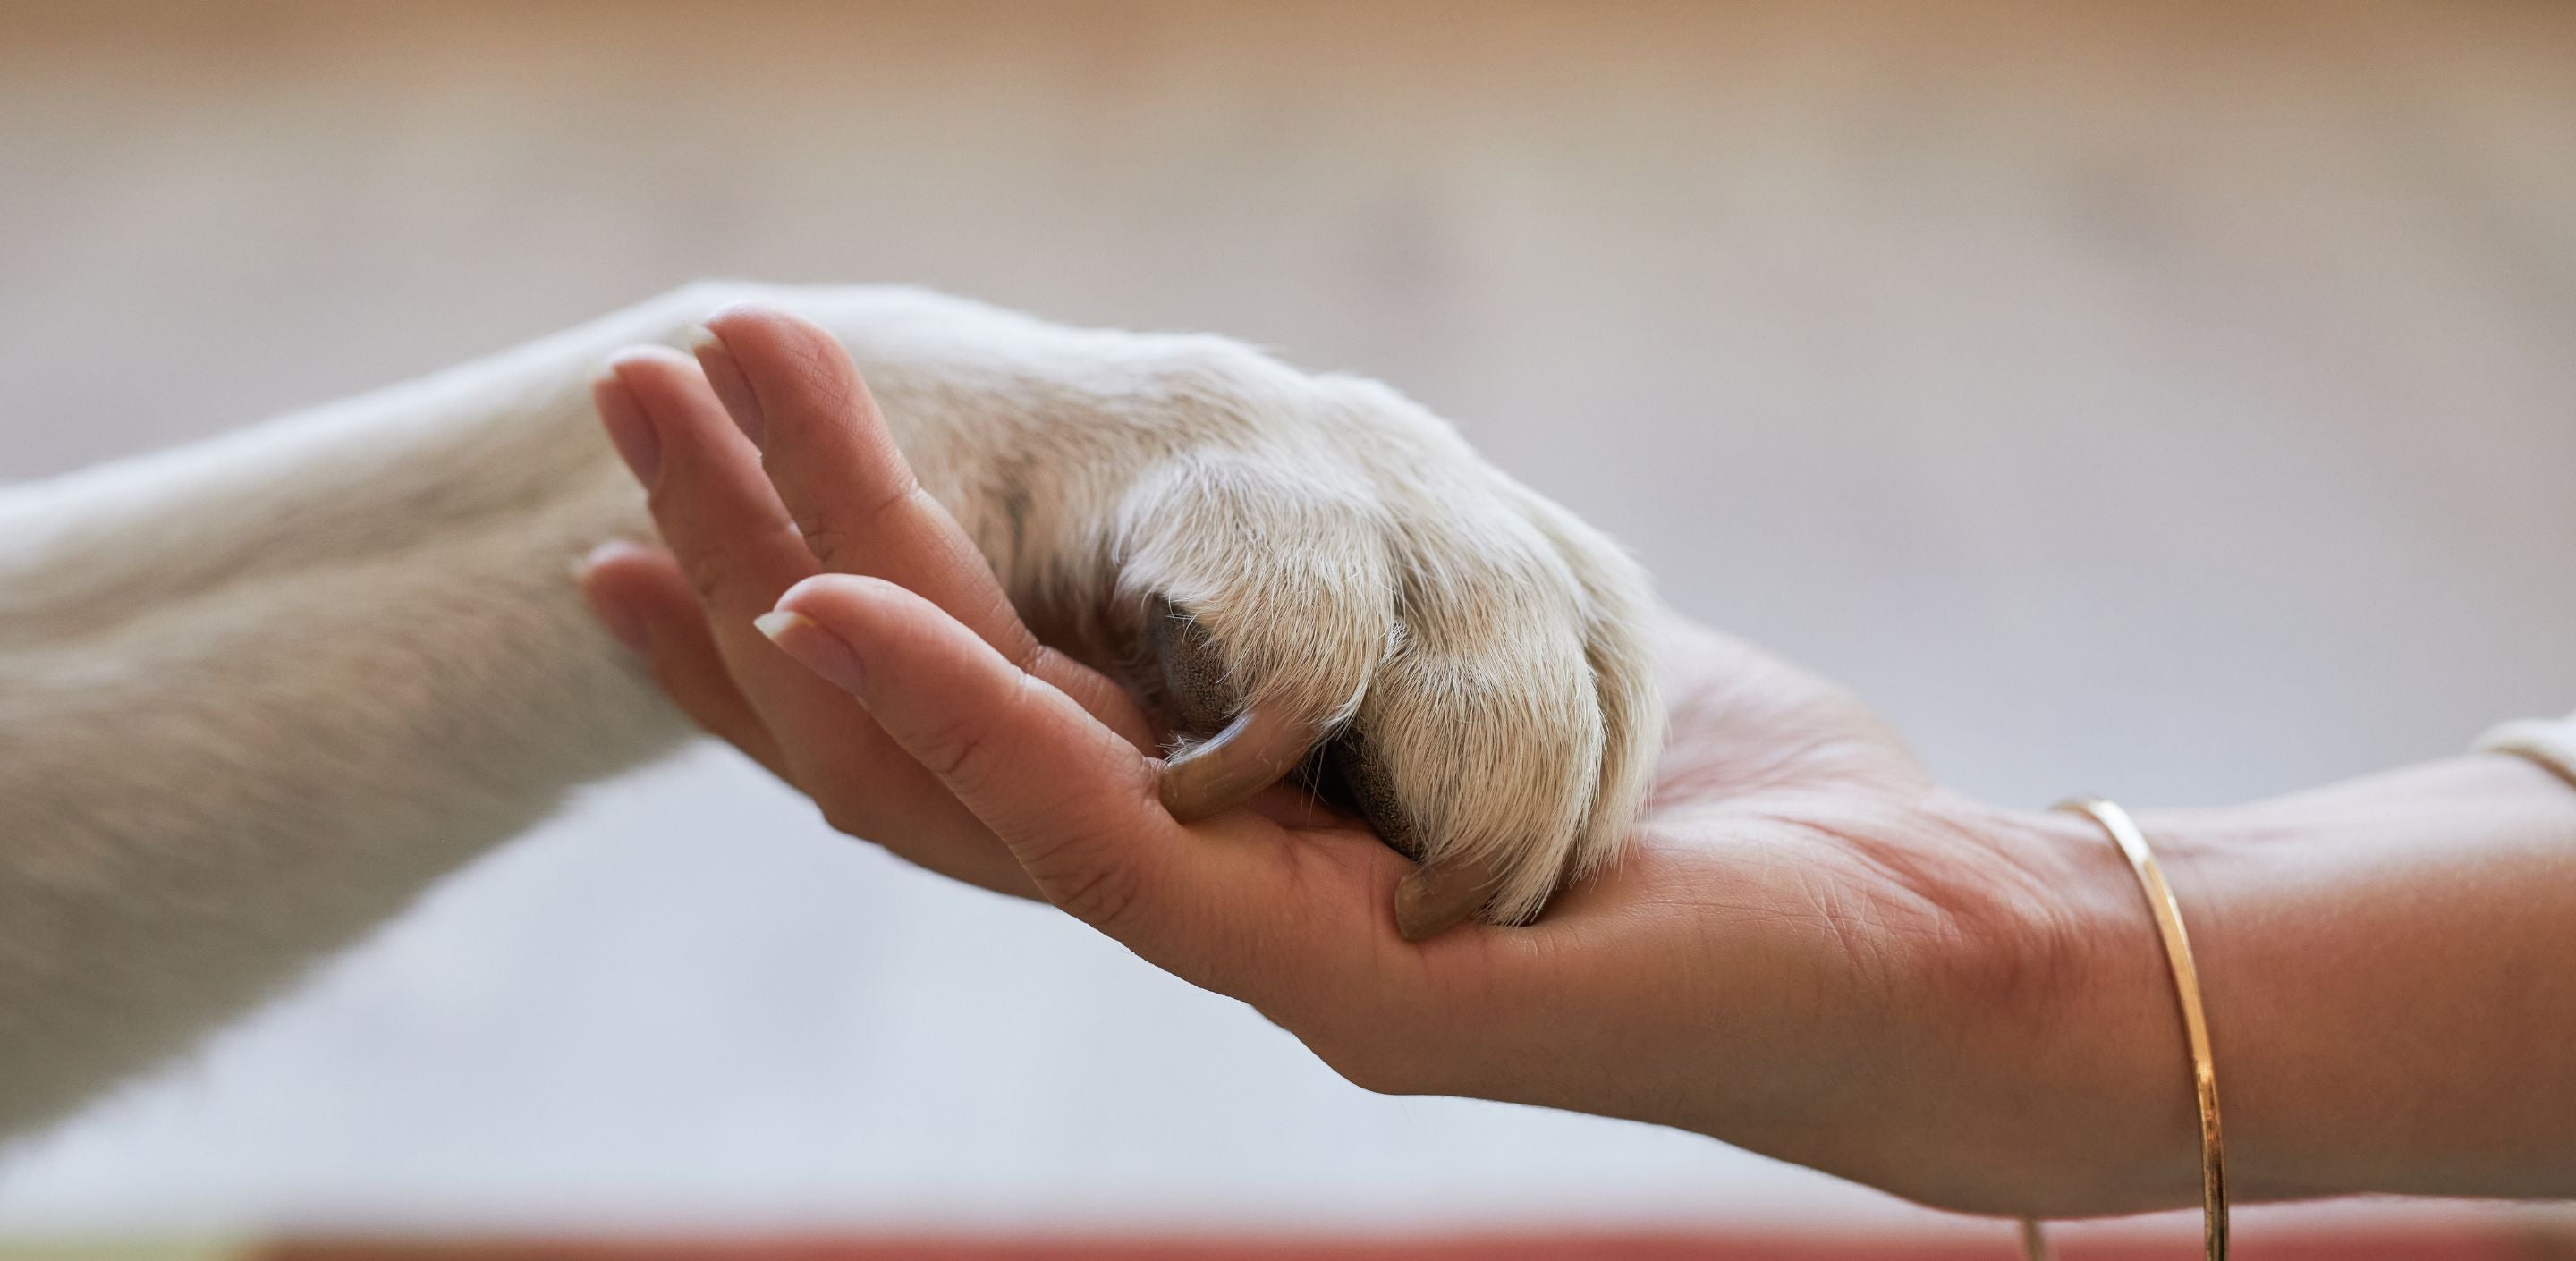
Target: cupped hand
[
  {"x": 697, "y": 434},
  {"x": 1810, "y": 950}
]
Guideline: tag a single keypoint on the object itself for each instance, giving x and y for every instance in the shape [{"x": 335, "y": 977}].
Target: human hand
[
  {"x": 1809, "y": 950},
  {"x": 1291, "y": 573},
  {"x": 732, "y": 549}
]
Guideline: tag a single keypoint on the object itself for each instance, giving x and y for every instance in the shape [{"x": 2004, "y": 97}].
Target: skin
[{"x": 1810, "y": 949}]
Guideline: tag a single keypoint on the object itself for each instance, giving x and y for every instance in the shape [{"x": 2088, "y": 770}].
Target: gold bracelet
[{"x": 2195, "y": 1025}]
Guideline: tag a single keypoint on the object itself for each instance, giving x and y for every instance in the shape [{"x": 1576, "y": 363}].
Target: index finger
[
  {"x": 1289, "y": 921},
  {"x": 793, "y": 389}
]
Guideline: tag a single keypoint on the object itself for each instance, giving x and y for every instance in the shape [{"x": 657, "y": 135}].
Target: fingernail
[
  {"x": 732, "y": 388},
  {"x": 629, "y": 429},
  {"x": 814, "y": 647},
  {"x": 1438, "y": 896}
]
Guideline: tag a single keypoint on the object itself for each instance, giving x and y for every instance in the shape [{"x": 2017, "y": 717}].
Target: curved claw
[
  {"x": 1436, "y": 896},
  {"x": 1253, "y": 752}
]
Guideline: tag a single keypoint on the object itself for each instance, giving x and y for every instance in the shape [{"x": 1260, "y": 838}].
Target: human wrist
[{"x": 2092, "y": 1053}]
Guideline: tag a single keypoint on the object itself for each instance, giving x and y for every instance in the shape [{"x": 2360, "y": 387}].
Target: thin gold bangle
[{"x": 2195, "y": 1024}]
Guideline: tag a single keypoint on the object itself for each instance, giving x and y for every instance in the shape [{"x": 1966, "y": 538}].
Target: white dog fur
[{"x": 256, "y": 694}]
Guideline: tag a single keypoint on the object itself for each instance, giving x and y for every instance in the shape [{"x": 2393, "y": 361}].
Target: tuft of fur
[{"x": 256, "y": 694}]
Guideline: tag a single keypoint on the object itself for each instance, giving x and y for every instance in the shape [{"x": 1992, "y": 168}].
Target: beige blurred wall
[
  {"x": 1982, "y": 351},
  {"x": 2171, "y": 399}
]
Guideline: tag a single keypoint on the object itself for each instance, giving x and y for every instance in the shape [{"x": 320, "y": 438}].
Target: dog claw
[{"x": 1253, "y": 752}]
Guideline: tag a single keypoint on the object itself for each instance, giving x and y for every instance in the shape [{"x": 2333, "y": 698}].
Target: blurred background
[{"x": 2173, "y": 400}]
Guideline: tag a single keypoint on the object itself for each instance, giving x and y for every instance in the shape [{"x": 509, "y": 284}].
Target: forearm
[
  {"x": 2392, "y": 962},
  {"x": 2389, "y": 967}
]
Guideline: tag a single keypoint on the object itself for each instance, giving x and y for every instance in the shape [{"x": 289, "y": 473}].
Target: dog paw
[
  {"x": 1377, "y": 611},
  {"x": 1300, "y": 575}
]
